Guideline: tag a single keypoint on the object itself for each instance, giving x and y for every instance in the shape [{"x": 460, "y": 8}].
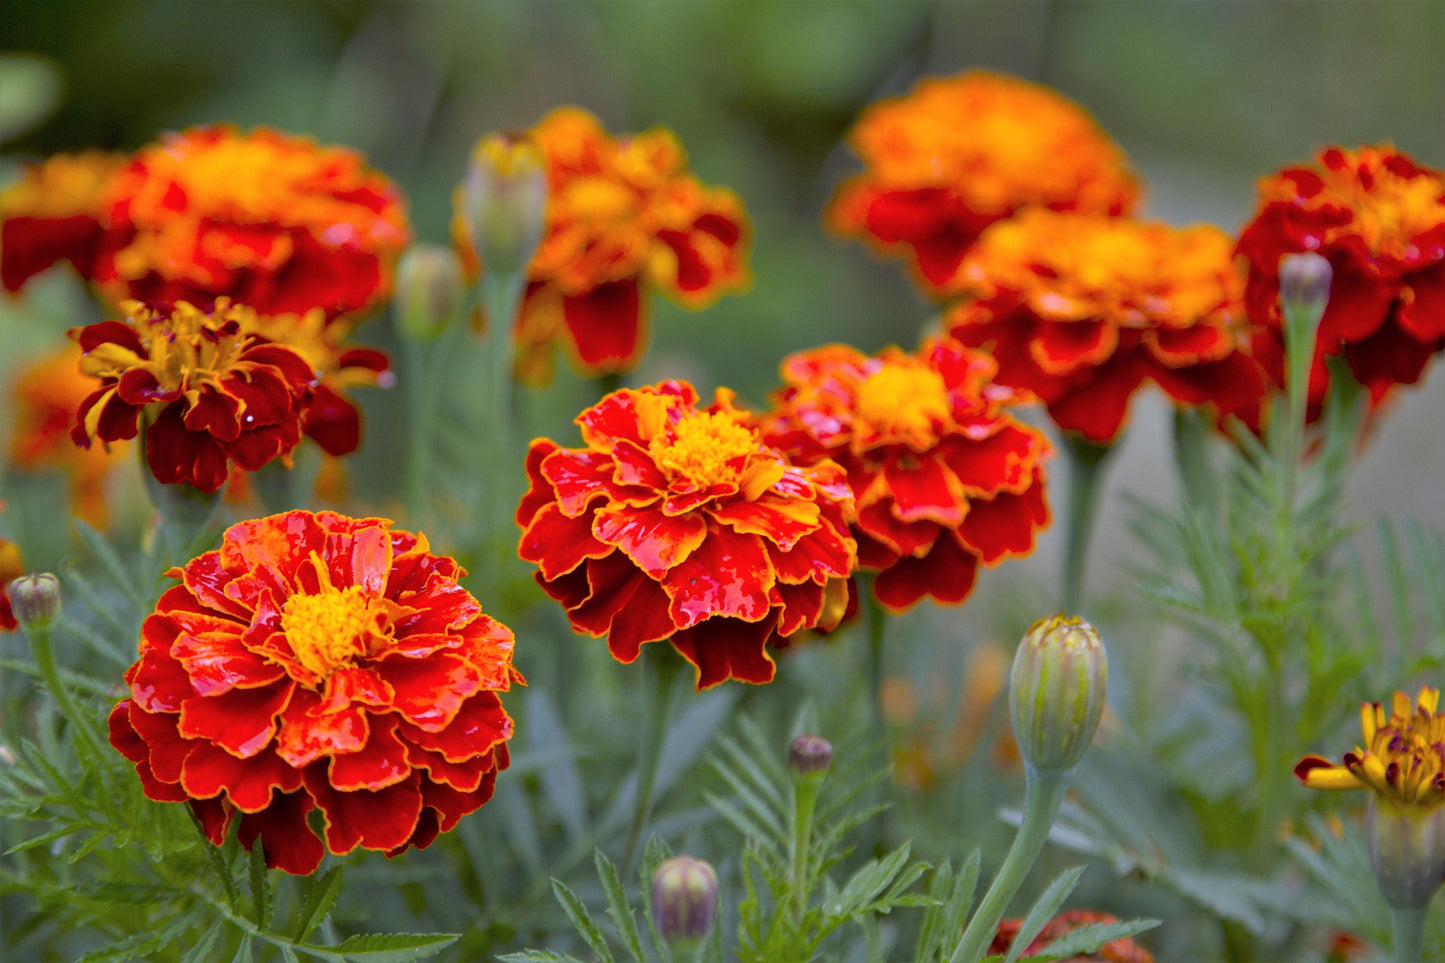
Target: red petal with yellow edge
[
  {"x": 1003, "y": 526},
  {"x": 1062, "y": 347},
  {"x": 924, "y": 491},
  {"x": 656, "y": 542},
  {"x": 365, "y": 562},
  {"x": 1318, "y": 773},
  {"x": 428, "y": 692},
  {"x": 165, "y": 747},
  {"x": 779, "y": 520},
  {"x": 205, "y": 589},
  {"x": 450, "y": 805},
  {"x": 361, "y": 686},
  {"x": 283, "y": 541},
  {"x": 157, "y": 683},
  {"x": 821, "y": 553},
  {"x": 605, "y": 325},
  {"x": 634, "y": 466},
  {"x": 306, "y": 734},
  {"x": 248, "y": 782},
  {"x": 905, "y": 538},
  {"x": 442, "y": 606},
  {"x": 723, "y": 648},
  {"x": 215, "y": 817},
  {"x": 611, "y": 584},
  {"x": 380, "y": 763},
  {"x": 558, "y": 543},
  {"x": 130, "y": 743},
  {"x": 218, "y": 414},
  {"x": 241, "y": 720},
  {"x": 464, "y": 777},
  {"x": 539, "y": 490},
  {"x": 1000, "y": 461},
  {"x": 727, "y": 575},
  {"x": 383, "y": 819},
  {"x": 332, "y": 421},
  {"x": 480, "y": 724},
  {"x": 1181, "y": 347},
  {"x": 801, "y": 605},
  {"x": 947, "y": 573},
  {"x": 219, "y": 661},
  {"x": 640, "y": 616},
  {"x": 285, "y": 838}
]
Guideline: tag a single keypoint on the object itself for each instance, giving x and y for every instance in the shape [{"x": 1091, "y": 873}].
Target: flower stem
[
  {"x": 1408, "y": 931},
  {"x": 40, "y": 636},
  {"x": 806, "y": 804},
  {"x": 1086, "y": 465},
  {"x": 659, "y": 667},
  {"x": 1043, "y": 793},
  {"x": 877, "y": 619}
]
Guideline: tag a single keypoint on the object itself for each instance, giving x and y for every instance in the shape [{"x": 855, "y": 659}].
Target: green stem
[
  {"x": 877, "y": 619},
  {"x": 659, "y": 667},
  {"x": 423, "y": 361},
  {"x": 1407, "y": 924},
  {"x": 1191, "y": 457},
  {"x": 807, "y": 802},
  {"x": 40, "y": 637},
  {"x": 1086, "y": 465},
  {"x": 1043, "y": 793}
]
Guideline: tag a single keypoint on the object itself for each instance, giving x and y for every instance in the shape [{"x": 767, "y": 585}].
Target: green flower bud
[
  {"x": 502, "y": 201},
  {"x": 1407, "y": 851},
  {"x": 430, "y": 293},
  {"x": 1056, "y": 692},
  {"x": 35, "y": 599},
  {"x": 1304, "y": 285},
  {"x": 810, "y": 755},
  {"x": 684, "y": 900}
]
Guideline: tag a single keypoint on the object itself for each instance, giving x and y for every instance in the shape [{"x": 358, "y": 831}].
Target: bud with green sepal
[
  {"x": 1056, "y": 692},
  {"x": 35, "y": 599},
  {"x": 684, "y": 901}
]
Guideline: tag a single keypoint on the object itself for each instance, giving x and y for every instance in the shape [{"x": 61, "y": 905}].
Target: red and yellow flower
[
  {"x": 46, "y": 397},
  {"x": 945, "y": 478},
  {"x": 1115, "y": 951},
  {"x": 209, "y": 390},
  {"x": 956, "y": 154},
  {"x": 319, "y": 662},
  {"x": 1082, "y": 310},
  {"x": 677, "y": 522},
  {"x": 54, "y": 213},
  {"x": 11, "y": 568},
  {"x": 267, "y": 219},
  {"x": 1403, "y": 758},
  {"x": 623, "y": 216},
  {"x": 1379, "y": 218}
]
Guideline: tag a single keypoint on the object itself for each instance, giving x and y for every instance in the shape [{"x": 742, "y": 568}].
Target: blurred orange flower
[
  {"x": 956, "y": 154},
  {"x": 208, "y": 389},
  {"x": 1081, "y": 310},
  {"x": 54, "y": 213},
  {"x": 1379, "y": 219},
  {"x": 270, "y": 220},
  {"x": 1115, "y": 951},
  {"x": 944, "y": 476},
  {"x": 319, "y": 662},
  {"x": 623, "y": 216},
  {"x": 679, "y": 523},
  {"x": 11, "y": 568},
  {"x": 46, "y": 397}
]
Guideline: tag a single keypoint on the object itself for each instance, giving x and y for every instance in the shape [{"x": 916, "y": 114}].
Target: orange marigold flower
[
  {"x": 208, "y": 389},
  {"x": 54, "y": 213},
  {"x": 944, "y": 476},
  {"x": 1115, "y": 951},
  {"x": 1379, "y": 218},
  {"x": 623, "y": 214},
  {"x": 675, "y": 522},
  {"x": 317, "y": 661},
  {"x": 267, "y": 219},
  {"x": 1403, "y": 760},
  {"x": 11, "y": 568},
  {"x": 46, "y": 397},
  {"x": 1081, "y": 310},
  {"x": 957, "y": 154}
]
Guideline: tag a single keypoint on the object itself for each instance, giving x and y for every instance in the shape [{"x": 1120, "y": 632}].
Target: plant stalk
[
  {"x": 1407, "y": 924},
  {"x": 40, "y": 636},
  {"x": 1086, "y": 469},
  {"x": 806, "y": 803},
  {"x": 659, "y": 667}
]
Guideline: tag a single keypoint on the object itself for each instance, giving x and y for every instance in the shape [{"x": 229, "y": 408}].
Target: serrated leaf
[
  {"x": 106, "y": 554},
  {"x": 587, "y": 928},
  {"x": 319, "y": 899},
  {"x": 390, "y": 947},
  {"x": 537, "y": 956},
  {"x": 870, "y": 880},
  {"x": 1043, "y": 910},
  {"x": 1220, "y": 893},
  {"x": 140, "y": 945},
  {"x": 260, "y": 886},
  {"x": 1086, "y": 940},
  {"x": 561, "y": 781},
  {"x": 617, "y": 906}
]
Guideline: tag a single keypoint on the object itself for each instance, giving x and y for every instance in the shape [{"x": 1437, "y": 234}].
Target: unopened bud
[
  {"x": 1056, "y": 692},
  {"x": 35, "y": 599},
  {"x": 429, "y": 291},
  {"x": 810, "y": 755},
  {"x": 502, "y": 202},
  {"x": 684, "y": 900},
  {"x": 1304, "y": 284},
  {"x": 1407, "y": 851}
]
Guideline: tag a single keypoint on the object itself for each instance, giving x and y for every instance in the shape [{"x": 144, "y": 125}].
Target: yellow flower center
[
  {"x": 1392, "y": 210},
  {"x": 904, "y": 398},
  {"x": 328, "y": 630},
  {"x": 704, "y": 447}
]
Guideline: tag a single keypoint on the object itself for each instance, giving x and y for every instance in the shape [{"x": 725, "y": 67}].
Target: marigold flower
[
  {"x": 11, "y": 568},
  {"x": 1379, "y": 218},
  {"x": 45, "y": 398},
  {"x": 944, "y": 476},
  {"x": 208, "y": 388},
  {"x": 1403, "y": 760},
  {"x": 623, "y": 215},
  {"x": 956, "y": 154},
  {"x": 675, "y": 522},
  {"x": 1115, "y": 951},
  {"x": 271, "y": 220},
  {"x": 1082, "y": 310},
  {"x": 317, "y": 661},
  {"x": 54, "y": 213}
]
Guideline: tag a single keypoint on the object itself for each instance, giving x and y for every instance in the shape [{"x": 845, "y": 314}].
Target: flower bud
[
  {"x": 1304, "y": 284},
  {"x": 810, "y": 755},
  {"x": 684, "y": 900},
  {"x": 35, "y": 599},
  {"x": 502, "y": 202},
  {"x": 1056, "y": 692},
  {"x": 1407, "y": 851},
  {"x": 429, "y": 291}
]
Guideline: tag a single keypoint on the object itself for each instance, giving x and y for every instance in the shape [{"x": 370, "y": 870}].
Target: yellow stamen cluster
[
  {"x": 186, "y": 348},
  {"x": 706, "y": 448},
  {"x": 906, "y": 398},
  {"x": 328, "y": 630},
  {"x": 1392, "y": 211}
]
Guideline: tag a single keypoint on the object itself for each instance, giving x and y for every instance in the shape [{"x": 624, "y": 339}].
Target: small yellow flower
[{"x": 1403, "y": 759}]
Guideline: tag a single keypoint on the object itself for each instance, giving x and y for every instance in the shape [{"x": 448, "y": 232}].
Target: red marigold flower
[
  {"x": 11, "y": 568},
  {"x": 956, "y": 154},
  {"x": 1115, "y": 951},
  {"x": 210, "y": 389},
  {"x": 1081, "y": 310},
  {"x": 944, "y": 476},
  {"x": 317, "y": 661},
  {"x": 623, "y": 214},
  {"x": 267, "y": 219},
  {"x": 53, "y": 214},
  {"x": 1379, "y": 218},
  {"x": 46, "y": 397},
  {"x": 679, "y": 523}
]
